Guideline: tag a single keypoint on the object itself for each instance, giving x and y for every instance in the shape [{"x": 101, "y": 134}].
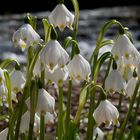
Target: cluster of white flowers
[
  {"x": 57, "y": 66},
  {"x": 120, "y": 79},
  {"x": 53, "y": 59}
]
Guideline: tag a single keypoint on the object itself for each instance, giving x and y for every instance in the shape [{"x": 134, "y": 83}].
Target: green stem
[
  {"x": 119, "y": 107},
  {"x": 42, "y": 126},
  {"x": 91, "y": 121},
  {"x": 68, "y": 107},
  {"x": 129, "y": 111},
  {"x": 135, "y": 121},
  {"x": 31, "y": 127},
  {"x": 33, "y": 103},
  {"x": 43, "y": 78},
  {"x": 61, "y": 1},
  {"x": 80, "y": 107},
  {"x": 30, "y": 55},
  {"x": 107, "y": 72},
  {"x": 75, "y": 30},
  {"x": 76, "y": 8},
  {"x": 22, "y": 103},
  {"x": 60, "y": 114},
  {"x": 9, "y": 98},
  {"x": 72, "y": 131}
]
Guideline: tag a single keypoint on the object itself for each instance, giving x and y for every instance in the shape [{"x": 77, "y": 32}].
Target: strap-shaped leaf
[
  {"x": 47, "y": 30},
  {"x": 7, "y": 62}
]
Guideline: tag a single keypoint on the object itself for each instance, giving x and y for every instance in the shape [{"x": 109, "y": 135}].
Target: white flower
[
  {"x": 79, "y": 68},
  {"x": 114, "y": 82},
  {"x": 61, "y": 17},
  {"x": 17, "y": 81},
  {"x": 130, "y": 87},
  {"x": 107, "y": 113},
  {"x": 25, "y": 36},
  {"x": 98, "y": 133},
  {"x": 45, "y": 103},
  {"x": 3, "y": 134},
  {"x": 25, "y": 121},
  {"x": 58, "y": 75},
  {"x": 123, "y": 45},
  {"x": 116, "y": 53},
  {"x": 53, "y": 54}
]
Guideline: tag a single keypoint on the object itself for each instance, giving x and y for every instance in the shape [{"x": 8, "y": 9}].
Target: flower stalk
[
  {"x": 129, "y": 111},
  {"x": 60, "y": 129},
  {"x": 68, "y": 111},
  {"x": 42, "y": 126}
]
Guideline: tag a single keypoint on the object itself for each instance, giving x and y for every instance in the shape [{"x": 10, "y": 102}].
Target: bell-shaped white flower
[
  {"x": 79, "y": 68},
  {"x": 116, "y": 53},
  {"x": 25, "y": 36},
  {"x": 45, "y": 103},
  {"x": 25, "y": 121},
  {"x": 107, "y": 113},
  {"x": 3, "y": 134},
  {"x": 58, "y": 75},
  {"x": 98, "y": 133},
  {"x": 130, "y": 87},
  {"x": 61, "y": 17},
  {"x": 123, "y": 46},
  {"x": 17, "y": 81},
  {"x": 53, "y": 54},
  {"x": 114, "y": 82}
]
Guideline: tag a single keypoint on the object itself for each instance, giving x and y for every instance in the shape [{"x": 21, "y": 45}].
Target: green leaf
[
  {"x": 66, "y": 42},
  {"x": 7, "y": 62},
  {"x": 32, "y": 64},
  {"x": 29, "y": 19},
  {"x": 107, "y": 42},
  {"x": 82, "y": 100},
  {"x": 100, "y": 61},
  {"x": 47, "y": 30},
  {"x": 75, "y": 48},
  {"x": 83, "y": 95},
  {"x": 8, "y": 85}
]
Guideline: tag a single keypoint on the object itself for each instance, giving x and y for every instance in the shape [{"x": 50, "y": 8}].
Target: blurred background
[
  {"x": 93, "y": 15},
  {"x": 15, "y": 6}
]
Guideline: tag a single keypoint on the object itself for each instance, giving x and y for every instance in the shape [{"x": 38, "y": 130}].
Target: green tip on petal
[{"x": 135, "y": 73}]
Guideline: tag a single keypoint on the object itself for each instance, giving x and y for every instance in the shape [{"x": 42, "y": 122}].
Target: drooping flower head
[
  {"x": 130, "y": 87},
  {"x": 25, "y": 36},
  {"x": 45, "y": 103},
  {"x": 79, "y": 68},
  {"x": 53, "y": 54},
  {"x": 122, "y": 47},
  {"x": 25, "y": 121},
  {"x": 107, "y": 113},
  {"x": 58, "y": 75},
  {"x": 61, "y": 17},
  {"x": 17, "y": 81},
  {"x": 114, "y": 82}
]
